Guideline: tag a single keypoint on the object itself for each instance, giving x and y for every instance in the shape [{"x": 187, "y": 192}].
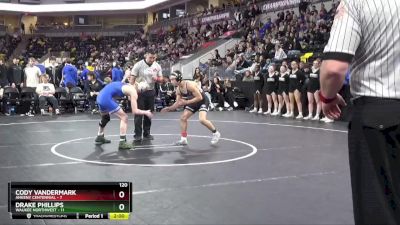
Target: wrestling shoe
[
  {"x": 182, "y": 142},
  {"x": 123, "y": 145},
  {"x": 215, "y": 138},
  {"x": 148, "y": 137},
  {"x": 100, "y": 139}
]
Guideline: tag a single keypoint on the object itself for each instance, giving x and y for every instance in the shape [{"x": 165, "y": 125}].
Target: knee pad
[{"x": 104, "y": 120}]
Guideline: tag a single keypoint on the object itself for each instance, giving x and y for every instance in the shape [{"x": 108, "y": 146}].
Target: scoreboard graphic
[{"x": 70, "y": 200}]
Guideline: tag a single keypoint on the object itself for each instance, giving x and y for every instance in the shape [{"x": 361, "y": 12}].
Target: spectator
[
  {"x": 117, "y": 72},
  {"x": 198, "y": 78},
  {"x": 229, "y": 96},
  {"x": 206, "y": 87},
  {"x": 296, "y": 80},
  {"x": 217, "y": 92},
  {"x": 3, "y": 74},
  {"x": 258, "y": 77},
  {"x": 247, "y": 77},
  {"x": 41, "y": 67},
  {"x": 69, "y": 75},
  {"x": 32, "y": 74},
  {"x": 15, "y": 75},
  {"x": 313, "y": 92},
  {"x": 283, "y": 90},
  {"x": 22, "y": 28},
  {"x": 279, "y": 53},
  {"x": 167, "y": 90},
  {"x": 271, "y": 84},
  {"x": 54, "y": 72},
  {"x": 46, "y": 92},
  {"x": 94, "y": 89}
]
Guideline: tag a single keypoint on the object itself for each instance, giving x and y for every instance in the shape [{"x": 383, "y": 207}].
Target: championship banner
[
  {"x": 279, "y": 5},
  {"x": 212, "y": 18}
]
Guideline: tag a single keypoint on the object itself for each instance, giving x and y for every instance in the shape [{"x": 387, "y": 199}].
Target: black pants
[
  {"x": 92, "y": 101},
  {"x": 51, "y": 99},
  {"x": 230, "y": 98},
  {"x": 143, "y": 123},
  {"x": 374, "y": 154}
]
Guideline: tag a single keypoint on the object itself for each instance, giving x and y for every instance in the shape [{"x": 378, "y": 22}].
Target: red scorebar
[{"x": 79, "y": 195}]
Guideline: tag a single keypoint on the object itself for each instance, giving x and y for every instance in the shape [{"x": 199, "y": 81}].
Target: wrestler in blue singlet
[{"x": 105, "y": 98}]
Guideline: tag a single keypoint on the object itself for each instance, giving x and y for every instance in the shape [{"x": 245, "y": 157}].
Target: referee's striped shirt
[{"x": 367, "y": 34}]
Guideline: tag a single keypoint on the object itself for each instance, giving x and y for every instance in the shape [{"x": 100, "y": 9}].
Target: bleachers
[{"x": 7, "y": 45}]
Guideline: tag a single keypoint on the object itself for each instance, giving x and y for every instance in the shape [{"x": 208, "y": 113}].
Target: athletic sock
[
  {"x": 122, "y": 138},
  {"x": 184, "y": 134},
  {"x": 214, "y": 131}
]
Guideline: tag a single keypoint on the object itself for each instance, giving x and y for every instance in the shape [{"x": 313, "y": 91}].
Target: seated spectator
[
  {"x": 217, "y": 92},
  {"x": 279, "y": 53},
  {"x": 46, "y": 92},
  {"x": 94, "y": 89},
  {"x": 241, "y": 64},
  {"x": 206, "y": 87},
  {"x": 216, "y": 59},
  {"x": 229, "y": 96},
  {"x": 167, "y": 90},
  {"x": 248, "y": 77}
]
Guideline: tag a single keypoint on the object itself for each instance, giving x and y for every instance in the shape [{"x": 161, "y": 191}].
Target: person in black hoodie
[
  {"x": 54, "y": 72},
  {"x": 15, "y": 74},
  {"x": 3, "y": 74}
]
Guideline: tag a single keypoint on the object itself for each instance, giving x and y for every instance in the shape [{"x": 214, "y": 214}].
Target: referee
[
  {"x": 146, "y": 73},
  {"x": 366, "y": 34}
]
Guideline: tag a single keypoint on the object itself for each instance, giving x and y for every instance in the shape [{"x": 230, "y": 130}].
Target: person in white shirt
[
  {"x": 32, "y": 74},
  {"x": 279, "y": 53},
  {"x": 46, "y": 92}
]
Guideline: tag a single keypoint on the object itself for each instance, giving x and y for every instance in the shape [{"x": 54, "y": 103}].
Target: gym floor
[{"x": 264, "y": 170}]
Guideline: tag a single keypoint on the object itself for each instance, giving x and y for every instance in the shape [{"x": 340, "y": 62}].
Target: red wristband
[{"x": 326, "y": 100}]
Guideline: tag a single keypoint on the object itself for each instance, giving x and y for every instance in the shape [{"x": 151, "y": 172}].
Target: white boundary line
[
  {"x": 254, "y": 151},
  {"x": 218, "y": 121},
  {"x": 124, "y": 159},
  {"x": 228, "y": 183}
]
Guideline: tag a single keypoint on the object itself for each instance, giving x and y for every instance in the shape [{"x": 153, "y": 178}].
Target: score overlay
[{"x": 70, "y": 200}]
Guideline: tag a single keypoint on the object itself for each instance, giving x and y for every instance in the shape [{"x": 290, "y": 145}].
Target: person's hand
[
  {"x": 91, "y": 94},
  {"x": 155, "y": 79},
  {"x": 148, "y": 114},
  {"x": 182, "y": 102},
  {"x": 13, "y": 85},
  {"x": 164, "y": 110},
  {"x": 332, "y": 109},
  {"x": 22, "y": 84}
]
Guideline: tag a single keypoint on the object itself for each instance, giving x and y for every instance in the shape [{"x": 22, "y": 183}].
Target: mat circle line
[{"x": 253, "y": 152}]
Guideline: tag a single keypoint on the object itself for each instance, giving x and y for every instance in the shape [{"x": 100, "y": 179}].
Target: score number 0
[{"x": 121, "y": 194}]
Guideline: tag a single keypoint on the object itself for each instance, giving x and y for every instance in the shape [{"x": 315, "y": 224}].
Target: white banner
[
  {"x": 212, "y": 18},
  {"x": 274, "y": 6}
]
